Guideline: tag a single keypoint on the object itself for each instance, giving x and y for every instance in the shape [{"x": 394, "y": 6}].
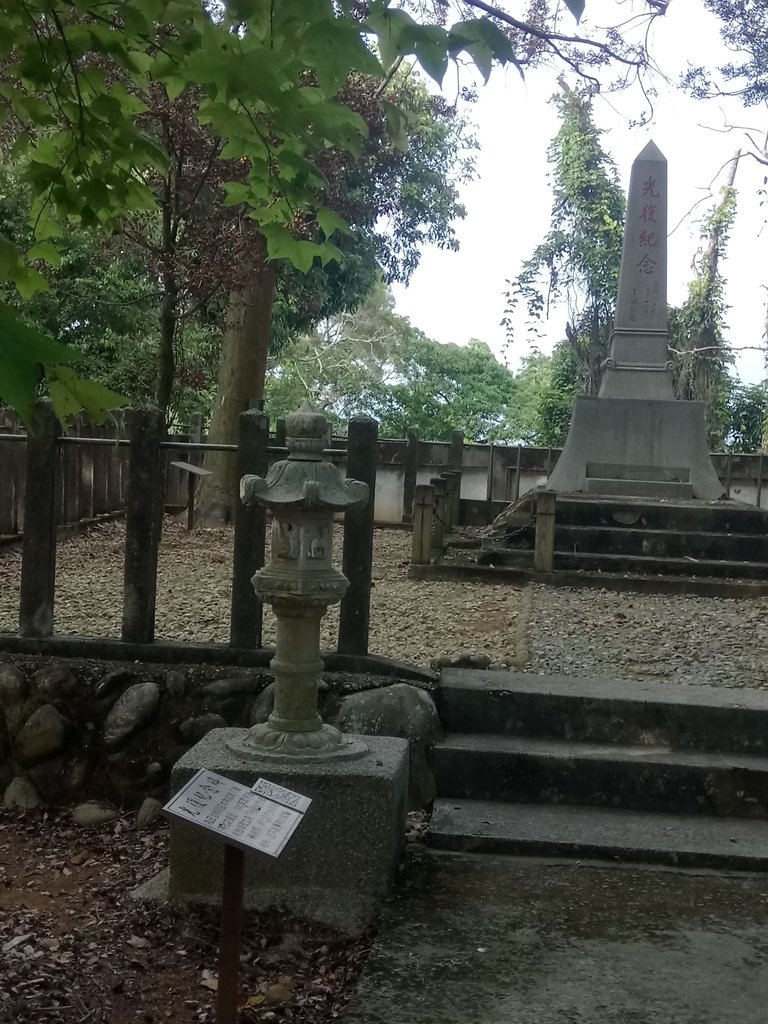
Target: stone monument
[
  {"x": 343, "y": 859},
  {"x": 635, "y": 438}
]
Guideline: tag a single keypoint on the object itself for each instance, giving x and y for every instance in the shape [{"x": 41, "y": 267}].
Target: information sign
[{"x": 262, "y": 818}]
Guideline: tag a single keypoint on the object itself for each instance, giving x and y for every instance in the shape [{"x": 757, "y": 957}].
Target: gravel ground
[
  {"x": 542, "y": 629},
  {"x": 686, "y": 639}
]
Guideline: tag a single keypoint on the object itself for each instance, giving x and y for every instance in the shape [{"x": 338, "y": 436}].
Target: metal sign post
[{"x": 262, "y": 818}]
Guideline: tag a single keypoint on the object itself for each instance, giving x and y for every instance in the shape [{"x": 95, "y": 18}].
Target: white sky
[{"x": 458, "y": 296}]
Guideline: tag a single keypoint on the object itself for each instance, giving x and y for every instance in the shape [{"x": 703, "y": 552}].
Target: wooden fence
[{"x": 56, "y": 479}]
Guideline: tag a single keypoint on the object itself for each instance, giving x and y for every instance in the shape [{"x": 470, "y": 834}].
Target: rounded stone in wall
[
  {"x": 13, "y": 685},
  {"x": 49, "y": 778},
  {"x": 114, "y": 680},
  {"x": 175, "y": 685},
  {"x": 77, "y": 775},
  {"x": 54, "y": 680},
  {"x": 398, "y": 710},
  {"x": 22, "y": 794},
  {"x": 262, "y": 706},
  {"x": 136, "y": 706},
  {"x": 42, "y": 735}
]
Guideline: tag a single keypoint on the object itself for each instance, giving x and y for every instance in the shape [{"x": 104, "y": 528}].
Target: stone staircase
[
  {"x": 600, "y": 768},
  {"x": 644, "y": 536}
]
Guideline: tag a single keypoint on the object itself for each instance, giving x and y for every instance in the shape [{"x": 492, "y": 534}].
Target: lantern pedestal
[{"x": 342, "y": 861}]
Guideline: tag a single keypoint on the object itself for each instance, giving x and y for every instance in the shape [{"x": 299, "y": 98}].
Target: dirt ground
[{"x": 77, "y": 948}]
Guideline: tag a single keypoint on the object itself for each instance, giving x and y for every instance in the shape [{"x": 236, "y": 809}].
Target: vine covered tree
[
  {"x": 577, "y": 263},
  {"x": 697, "y": 327}
]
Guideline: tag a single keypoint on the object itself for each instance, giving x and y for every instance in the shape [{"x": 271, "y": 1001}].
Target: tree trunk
[
  {"x": 242, "y": 369},
  {"x": 166, "y": 361}
]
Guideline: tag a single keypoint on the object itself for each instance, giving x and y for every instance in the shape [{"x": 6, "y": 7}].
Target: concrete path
[{"x": 493, "y": 940}]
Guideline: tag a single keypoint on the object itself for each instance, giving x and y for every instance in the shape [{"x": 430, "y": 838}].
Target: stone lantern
[{"x": 302, "y": 492}]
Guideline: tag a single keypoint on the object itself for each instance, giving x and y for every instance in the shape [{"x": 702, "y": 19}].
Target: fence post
[
  {"x": 759, "y": 492},
  {"x": 410, "y": 472},
  {"x": 544, "y": 551},
  {"x": 85, "y": 487},
  {"x": 423, "y": 507},
  {"x": 357, "y": 553},
  {"x": 10, "y": 473},
  {"x": 489, "y": 477},
  {"x": 451, "y": 487},
  {"x": 280, "y": 433},
  {"x": 456, "y": 454},
  {"x": 41, "y": 502},
  {"x": 438, "y": 486},
  {"x": 144, "y": 502},
  {"x": 456, "y": 463},
  {"x": 246, "y": 617},
  {"x": 194, "y": 459}
]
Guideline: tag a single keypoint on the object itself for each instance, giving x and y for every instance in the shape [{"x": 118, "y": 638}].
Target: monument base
[
  {"x": 342, "y": 860},
  {"x": 637, "y": 447}
]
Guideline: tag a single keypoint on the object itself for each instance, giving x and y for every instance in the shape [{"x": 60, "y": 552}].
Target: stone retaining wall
[{"x": 73, "y": 730}]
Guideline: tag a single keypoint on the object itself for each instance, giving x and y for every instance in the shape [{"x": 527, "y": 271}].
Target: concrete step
[
  {"x": 667, "y": 543},
  {"x": 604, "y": 710},
  {"x": 516, "y": 769},
  {"x": 725, "y": 516},
  {"x": 647, "y": 565},
  {"x": 566, "y": 831}
]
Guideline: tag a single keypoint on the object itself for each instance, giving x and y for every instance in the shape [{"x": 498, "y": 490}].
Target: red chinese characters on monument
[
  {"x": 645, "y": 298},
  {"x": 649, "y": 188}
]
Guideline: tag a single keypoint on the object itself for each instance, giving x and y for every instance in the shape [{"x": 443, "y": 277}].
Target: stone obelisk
[
  {"x": 638, "y": 366},
  {"x": 635, "y": 438}
]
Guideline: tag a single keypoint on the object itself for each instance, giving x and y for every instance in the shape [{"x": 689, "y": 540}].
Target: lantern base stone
[
  {"x": 264, "y": 741},
  {"x": 341, "y": 861}
]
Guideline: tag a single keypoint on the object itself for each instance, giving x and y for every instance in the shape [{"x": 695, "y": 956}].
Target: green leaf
[
  {"x": 391, "y": 27},
  {"x": 430, "y": 45},
  {"x": 236, "y": 193},
  {"x": 22, "y": 351},
  {"x": 576, "y": 7},
  {"x": 282, "y": 245},
  {"x": 336, "y": 48},
  {"x": 72, "y": 394},
  {"x": 47, "y": 252},
  {"x": 398, "y": 120},
  {"x": 483, "y": 41},
  {"x": 330, "y": 221}
]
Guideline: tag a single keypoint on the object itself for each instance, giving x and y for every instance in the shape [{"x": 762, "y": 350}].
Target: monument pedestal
[
  {"x": 342, "y": 860},
  {"x": 631, "y": 446}
]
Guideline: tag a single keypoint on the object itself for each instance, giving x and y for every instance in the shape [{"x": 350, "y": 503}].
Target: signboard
[
  {"x": 190, "y": 467},
  {"x": 262, "y": 818}
]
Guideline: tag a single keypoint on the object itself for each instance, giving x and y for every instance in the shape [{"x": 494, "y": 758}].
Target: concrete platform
[{"x": 493, "y": 940}]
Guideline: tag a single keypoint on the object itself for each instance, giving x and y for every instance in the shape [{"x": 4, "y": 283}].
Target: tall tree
[
  {"x": 577, "y": 263},
  {"x": 392, "y": 199},
  {"x": 269, "y": 75},
  {"x": 697, "y": 328},
  {"x": 374, "y": 361}
]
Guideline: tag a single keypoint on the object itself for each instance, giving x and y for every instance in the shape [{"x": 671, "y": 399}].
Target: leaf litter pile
[{"x": 77, "y": 948}]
